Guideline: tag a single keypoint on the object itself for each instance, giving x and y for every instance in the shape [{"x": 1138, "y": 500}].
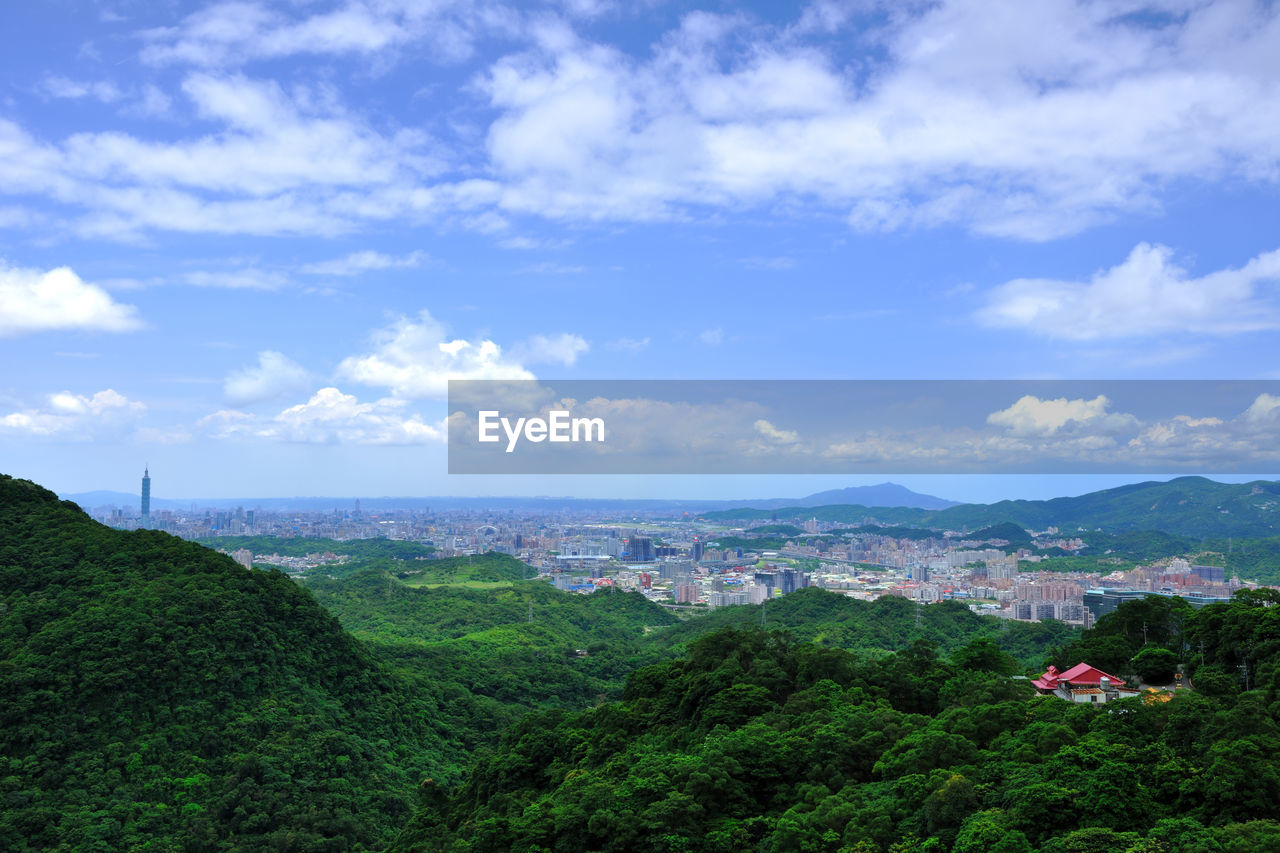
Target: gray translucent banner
[{"x": 863, "y": 427}]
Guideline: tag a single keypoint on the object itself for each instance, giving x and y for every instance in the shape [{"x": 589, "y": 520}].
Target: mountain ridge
[{"x": 1185, "y": 506}]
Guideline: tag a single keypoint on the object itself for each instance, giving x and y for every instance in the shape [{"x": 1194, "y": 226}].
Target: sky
[{"x": 248, "y": 244}]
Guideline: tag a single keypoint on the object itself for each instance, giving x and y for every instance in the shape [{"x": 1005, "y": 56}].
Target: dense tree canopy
[{"x": 153, "y": 693}]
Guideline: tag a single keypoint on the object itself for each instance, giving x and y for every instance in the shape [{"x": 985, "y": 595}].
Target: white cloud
[
  {"x": 329, "y": 417},
  {"x": 1031, "y": 416},
  {"x": 775, "y": 435},
  {"x": 63, "y": 87},
  {"x": 276, "y": 162},
  {"x": 1147, "y": 294},
  {"x": 57, "y": 300},
  {"x": 236, "y": 32},
  {"x": 632, "y": 345},
  {"x": 1021, "y": 120},
  {"x": 75, "y": 415},
  {"x": 242, "y": 279},
  {"x": 273, "y": 376},
  {"x": 1263, "y": 409},
  {"x": 417, "y": 358},
  {"x": 712, "y": 337},
  {"x": 364, "y": 261},
  {"x": 1028, "y": 121},
  {"x": 561, "y": 349},
  {"x": 150, "y": 102}
]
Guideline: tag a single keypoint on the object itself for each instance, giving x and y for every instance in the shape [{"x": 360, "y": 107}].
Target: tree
[
  {"x": 989, "y": 832},
  {"x": 1155, "y": 664}
]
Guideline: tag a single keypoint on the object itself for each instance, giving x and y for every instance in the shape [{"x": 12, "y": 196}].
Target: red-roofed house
[{"x": 1083, "y": 683}]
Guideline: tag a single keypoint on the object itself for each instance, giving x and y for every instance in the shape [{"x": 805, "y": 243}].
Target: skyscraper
[{"x": 146, "y": 497}]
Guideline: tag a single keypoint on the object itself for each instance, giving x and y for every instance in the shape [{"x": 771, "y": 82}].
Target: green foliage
[
  {"x": 750, "y": 543},
  {"x": 1156, "y": 625},
  {"x": 1014, "y": 534},
  {"x": 788, "y": 530},
  {"x": 491, "y": 567},
  {"x": 1155, "y": 665},
  {"x": 475, "y": 655},
  {"x": 157, "y": 695},
  {"x": 887, "y": 624},
  {"x": 757, "y": 741}
]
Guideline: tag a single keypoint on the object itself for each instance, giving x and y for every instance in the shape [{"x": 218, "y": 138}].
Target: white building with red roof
[{"x": 1083, "y": 683}]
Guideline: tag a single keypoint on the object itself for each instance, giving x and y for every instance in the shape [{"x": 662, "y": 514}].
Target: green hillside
[
  {"x": 155, "y": 695},
  {"x": 482, "y": 568},
  {"x": 477, "y": 656},
  {"x": 887, "y": 624},
  {"x": 755, "y": 742}
]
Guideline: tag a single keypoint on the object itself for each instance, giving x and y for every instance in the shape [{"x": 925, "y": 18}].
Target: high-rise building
[
  {"x": 1210, "y": 574},
  {"x": 641, "y": 549},
  {"x": 146, "y": 497}
]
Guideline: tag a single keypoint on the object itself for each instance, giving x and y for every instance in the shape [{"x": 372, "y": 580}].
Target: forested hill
[
  {"x": 875, "y": 627},
  {"x": 156, "y": 695},
  {"x": 1185, "y": 506},
  {"x": 756, "y": 742}
]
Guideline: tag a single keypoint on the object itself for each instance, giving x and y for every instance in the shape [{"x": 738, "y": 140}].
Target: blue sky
[{"x": 247, "y": 244}]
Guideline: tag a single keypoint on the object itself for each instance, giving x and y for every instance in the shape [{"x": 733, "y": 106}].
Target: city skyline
[{"x": 249, "y": 244}]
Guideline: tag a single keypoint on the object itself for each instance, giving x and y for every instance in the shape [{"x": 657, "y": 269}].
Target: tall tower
[{"x": 146, "y": 497}]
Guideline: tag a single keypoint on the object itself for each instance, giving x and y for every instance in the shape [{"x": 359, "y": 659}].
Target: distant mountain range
[
  {"x": 884, "y": 494},
  {"x": 1194, "y": 507}
]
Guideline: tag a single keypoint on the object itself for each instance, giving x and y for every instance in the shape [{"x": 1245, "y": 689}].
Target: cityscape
[{"x": 690, "y": 562}]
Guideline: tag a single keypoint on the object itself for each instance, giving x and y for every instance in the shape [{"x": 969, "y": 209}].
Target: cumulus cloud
[
  {"x": 74, "y": 415},
  {"x": 1263, "y": 410},
  {"x": 273, "y": 376},
  {"x": 712, "y": 337},
  {"x": 1022, "y": 121},
  {"x": 329, "y": 417},
  {"x": 416, "y": 358},
  {"x": 365, "y": 261},
  {"x": 56, "y": 300},
  {"x": 1028, "y": 121},
  {"x": 1146, "y": 294},
  {"x": 775, "y": 435},
  {"x": 265, "y": 161},
  {"x": 1032, "y": 416}
]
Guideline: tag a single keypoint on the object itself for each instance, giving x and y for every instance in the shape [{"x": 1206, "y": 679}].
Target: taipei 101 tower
[{"x": 146, "y": 497}]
